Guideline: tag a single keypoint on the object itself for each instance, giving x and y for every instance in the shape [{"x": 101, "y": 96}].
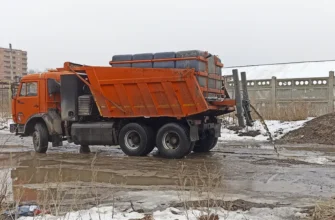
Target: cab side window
[
  {"x": 23, "y": 91},
  {"x": 29, "y": 89}
]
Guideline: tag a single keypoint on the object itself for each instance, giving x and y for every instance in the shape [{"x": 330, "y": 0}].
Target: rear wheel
[
  {"x": 136, "y": 140},
  {"x": 40, "y": 138},
  {"x": 151, "y": 140},
  {"x": 173, "y": 141},
  {"x": 206, "y": 144},
  {"x": 191, "y": 148}
]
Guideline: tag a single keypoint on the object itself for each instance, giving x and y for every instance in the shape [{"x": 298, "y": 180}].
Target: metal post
[
  {"x": 244, "y": 86},
  {"x": 9, "y": 100},
  {"x": 239, "y": 109},
  {"x": 273, "y": 96},
  {"x": 2, "y": 109},
  {"x": 331, "y": 92},
  {"x": 246, "y": 101},
  {"x": 11, "y": 62}
]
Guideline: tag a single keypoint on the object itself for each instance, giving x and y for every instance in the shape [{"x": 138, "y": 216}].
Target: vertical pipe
[
  {"x": 11, "y": 62},
  {"x": 3, "y": 107},
  {"x": 246, "y": 101},
  {"x": 244, "y": 86},
  {"x": 9, "y": 99},
  {"x": 273, "y": 96},
  {"x": 239, "y": 108},
  {"x": 331, "y": 92}
]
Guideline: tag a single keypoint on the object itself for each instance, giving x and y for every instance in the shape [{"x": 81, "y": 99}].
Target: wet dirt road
[{"x": 301, "y": 174}]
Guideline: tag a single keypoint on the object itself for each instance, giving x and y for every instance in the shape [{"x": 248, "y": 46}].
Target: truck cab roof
[{"x": 52, "y": 74}]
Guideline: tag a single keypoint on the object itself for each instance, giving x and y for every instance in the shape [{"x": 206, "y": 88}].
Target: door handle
[
  {"x": 20, "y": 102},
  {"x": 35, "y": 106}
]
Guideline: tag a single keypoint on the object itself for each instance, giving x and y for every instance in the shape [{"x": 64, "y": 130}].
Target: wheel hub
[
  {"x": 171, "y": 140},
  {"x": 132, "y": 139}
]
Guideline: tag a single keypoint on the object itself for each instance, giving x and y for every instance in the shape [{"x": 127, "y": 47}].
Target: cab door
[{"x": 27, "y": 101}]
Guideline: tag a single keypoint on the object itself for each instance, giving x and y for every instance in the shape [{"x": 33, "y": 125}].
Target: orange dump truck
[{"x": 169, "y": 103}]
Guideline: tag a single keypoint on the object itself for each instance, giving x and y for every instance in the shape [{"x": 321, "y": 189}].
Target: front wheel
[
  {"x": 173, "y": 141},
  {"x": 206, "y": 144},
  {"x": 40, "y": 138}
]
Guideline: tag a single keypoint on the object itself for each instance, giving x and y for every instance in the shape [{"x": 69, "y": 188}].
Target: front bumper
[
  {"x": 16, "y": 128},
  {"x": 13, "y": 128}
]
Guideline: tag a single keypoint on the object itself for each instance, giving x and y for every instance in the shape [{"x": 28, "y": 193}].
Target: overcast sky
[{"x": 241, "y": 32}]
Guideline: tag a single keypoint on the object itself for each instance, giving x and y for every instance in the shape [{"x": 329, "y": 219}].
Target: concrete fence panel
[{"x": 288, "y": 98}]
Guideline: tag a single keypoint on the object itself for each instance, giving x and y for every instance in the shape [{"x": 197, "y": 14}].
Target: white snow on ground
[
  {"x": 104, "y": 213},
  {"x": 289, "y": 70},
  {"x": 4, "y": 124},
  {"x": 277, "y": 128},
  {"x": 317, "y": 160}
]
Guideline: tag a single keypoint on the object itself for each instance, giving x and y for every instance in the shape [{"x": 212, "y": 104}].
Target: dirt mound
[{"x": 320, "y": 130}]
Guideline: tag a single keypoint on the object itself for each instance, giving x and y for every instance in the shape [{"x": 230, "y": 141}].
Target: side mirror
[
  {"x": 53, "y": 87},
  {"x": 13, "y": 88}
]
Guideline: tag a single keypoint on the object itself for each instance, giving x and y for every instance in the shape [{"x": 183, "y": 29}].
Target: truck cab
[{"x": 34, "y": 99}]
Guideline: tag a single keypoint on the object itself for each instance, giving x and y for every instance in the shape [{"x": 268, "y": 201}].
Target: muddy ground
[{"x": 253, "y": 175}]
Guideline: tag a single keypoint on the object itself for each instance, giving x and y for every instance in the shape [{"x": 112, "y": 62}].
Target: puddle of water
[
  {"x": 76, "y": 176},
  {"x": 34, "y": 172}
]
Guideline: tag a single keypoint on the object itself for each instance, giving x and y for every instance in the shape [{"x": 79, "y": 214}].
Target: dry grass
[
  {"x": 200, "y": 190},
  {"x": 292, "y": 112},
  {"x": 55, "y": 196},
  {"x": 4, "y": 191},
  {"x": 324, "y": 210},
  {"x": 52, "y": 195},
  {"x": 5, "y": 108}
]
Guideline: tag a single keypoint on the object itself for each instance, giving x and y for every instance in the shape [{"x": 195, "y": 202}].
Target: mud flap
[
  {"x": 53, "y": 122},
  {"x": 57, "y": 140},
  {"x": 217, "y": 129},
  {"x": 194, "y": 132}
]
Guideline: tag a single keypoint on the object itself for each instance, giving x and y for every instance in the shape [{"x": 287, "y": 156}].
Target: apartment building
[{"x": 19, "y": 63}]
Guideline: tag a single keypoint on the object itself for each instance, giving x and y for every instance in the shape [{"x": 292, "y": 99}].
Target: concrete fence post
[
  {"x": 273, "y": 95},
  {"x": 238, "y": 99},
  {"x": 331, "y": 92}
]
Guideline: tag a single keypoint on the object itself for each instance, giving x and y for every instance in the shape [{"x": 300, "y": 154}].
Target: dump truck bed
[{"x": 149, "y": 92}]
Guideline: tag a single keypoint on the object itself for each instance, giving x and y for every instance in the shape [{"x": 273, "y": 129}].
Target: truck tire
[
  {"x": 206, "y": 144},
  {"x": 191, "y": 148},
  {"x": 40, "y": 138},
  {"x": 84, "y": 149},
  {"x": 151, "y": 140},
  {"x": 135, "y": 140},
  {"x": 173, "y": 141}
]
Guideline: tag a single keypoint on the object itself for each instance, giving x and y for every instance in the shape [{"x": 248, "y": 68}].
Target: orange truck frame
[{"x": 136, "y": 108}]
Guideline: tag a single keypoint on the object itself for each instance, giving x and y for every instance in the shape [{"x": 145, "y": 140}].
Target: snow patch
[
  {"x": 4, "y": 124},
  {"x": 277, "y": 128},
  {"x": 316, "y": 160},
  {"x": 105, "y": 213}
]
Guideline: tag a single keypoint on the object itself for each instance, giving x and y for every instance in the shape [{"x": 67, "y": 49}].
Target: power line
[{"x": 272, "y": 64}]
